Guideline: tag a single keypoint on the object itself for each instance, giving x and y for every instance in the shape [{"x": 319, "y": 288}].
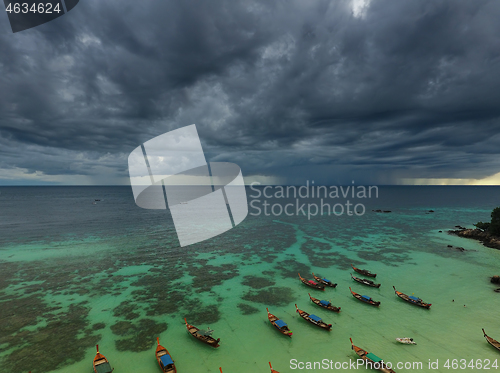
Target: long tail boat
[
  {"x": 413, "y": 300},
  {"x": 364, "y": 281},
  {"x": 313, "y": 319},
  {"x": 324, "y": 304},
  {"x": 324, "y": 281},
  {"x": 164, "y": 359},
  {"x": 279, "y": 324},
  {"x": 371, "y": 360},
  {"x": 492, "y": 342},
  {"x": 101, "y": 364},
  {"x": 272, "y": 370},
  {"x": 365, "y": 298},
  {"x": 202, "y": 335},
  {"x": 311, "y": 283},
  {"x": 364, "y": 272}
]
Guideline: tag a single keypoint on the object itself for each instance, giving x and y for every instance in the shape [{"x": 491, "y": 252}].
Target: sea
[{"x": 81, "y": 266}]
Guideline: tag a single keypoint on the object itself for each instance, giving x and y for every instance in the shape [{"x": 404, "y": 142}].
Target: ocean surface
[{"x": 74, "y": 274}]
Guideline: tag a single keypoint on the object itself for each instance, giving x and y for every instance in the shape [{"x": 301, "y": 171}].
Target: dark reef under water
[{"x": 45, "y": 303}]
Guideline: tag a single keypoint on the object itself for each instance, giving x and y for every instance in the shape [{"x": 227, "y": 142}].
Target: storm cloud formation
[{"x": 329, "y": 91}]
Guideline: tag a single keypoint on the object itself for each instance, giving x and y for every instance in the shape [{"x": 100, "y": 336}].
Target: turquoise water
[{"x": 65, "y": 288}]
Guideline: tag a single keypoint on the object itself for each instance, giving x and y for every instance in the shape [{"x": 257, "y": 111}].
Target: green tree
[
  {"x": 483, "y": 226},
  {"x": 494, "y": 227}
]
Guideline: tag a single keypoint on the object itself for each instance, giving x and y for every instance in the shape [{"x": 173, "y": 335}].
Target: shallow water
[{"x": 75, "y": 274}]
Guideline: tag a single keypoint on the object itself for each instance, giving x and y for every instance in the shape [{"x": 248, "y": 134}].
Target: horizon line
[{"x": 263, "y": 185}]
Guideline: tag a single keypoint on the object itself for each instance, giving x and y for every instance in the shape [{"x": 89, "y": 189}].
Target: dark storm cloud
[{"x": 289, "y": 88}]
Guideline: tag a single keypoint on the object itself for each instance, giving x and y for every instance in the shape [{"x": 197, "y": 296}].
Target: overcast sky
[{"x": 377, "y": 92}]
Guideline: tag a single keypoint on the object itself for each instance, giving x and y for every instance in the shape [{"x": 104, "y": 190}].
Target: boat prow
[
  {"x": 324, "y": 304},
  {"x": 371, "y": 359},
  {"x": 364, "y": 298},
  {"x": 364, "y": 281},
  {"x": 313, "y": 319},
  {"x": 101, "y": 364},
  {"x": 279, "y": 324},
  {"x": 164, "y": 359},
  {"x": 311, "y": 283},
  {"x": 491, "y": 341},
  {"x": 411, "y": 299},
  {"x": 202, "y": 335},
  {"x": 324, "y": 281},
  {"x": 364, "y": 271}
]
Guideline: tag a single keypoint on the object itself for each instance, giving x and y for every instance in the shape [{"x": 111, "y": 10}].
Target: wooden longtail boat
[
  {"x": 491, "y": 341},
  {"x": 371, "y": 360},
  {"x": 324, "y": 281},
  {"x": 101, "y": 364},
  {"x": 364, "y": 281},
  {"x": 202, "y": 335},
  {"x": 272, "y": 370},
  {"x": 313, "y": 319},
  {"x": 279, "y": 324},
  {"x": 413, "y": 300},
  {"x": 324, "y": 304},
  {"x": 311, "y": 283},
  {"x": 164, "y": 359},
  {"x": 364, "y": 298},
  {"x": 364, "y": 272}
]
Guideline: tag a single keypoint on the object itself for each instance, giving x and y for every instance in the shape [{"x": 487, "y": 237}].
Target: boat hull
[
  {"x": 364, "y": 272},
  {"x": 162, "y": 351},
  {"x": 314, "y": 286},
  {"x": 362, "y": 354},
  {"x": 361, "y": 299},
  {"x": 326, "y": 283},
  {"x": 306, "y": 316},
  {"x": 330, "y": 307},
  {"x": 365, "y": 282},
  {"x": 491, "y": 341},
  {"x": 101, "y": 361},
  {"x": 272, "y": 319},
  {"x": 407, "y": 299},
  {"x": 193, "y": 331}
]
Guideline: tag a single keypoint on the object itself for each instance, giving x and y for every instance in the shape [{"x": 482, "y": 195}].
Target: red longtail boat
[
  {"x": 311, "y": 283},
  {"x": 313, "y": 319},
  {"x": 279, "y": 324},
  {"x": 412, "y": 299},
  {"x": 202, "y": 335},
  {"x": 164, "y": 359},
  {"x": 371, "y": 359},
  {"x": 364, "y": 271},
  {"x": 101, "y": 364}
]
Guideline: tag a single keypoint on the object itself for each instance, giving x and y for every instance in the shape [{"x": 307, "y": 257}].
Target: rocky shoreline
[{"x": 486, "y": 238}]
